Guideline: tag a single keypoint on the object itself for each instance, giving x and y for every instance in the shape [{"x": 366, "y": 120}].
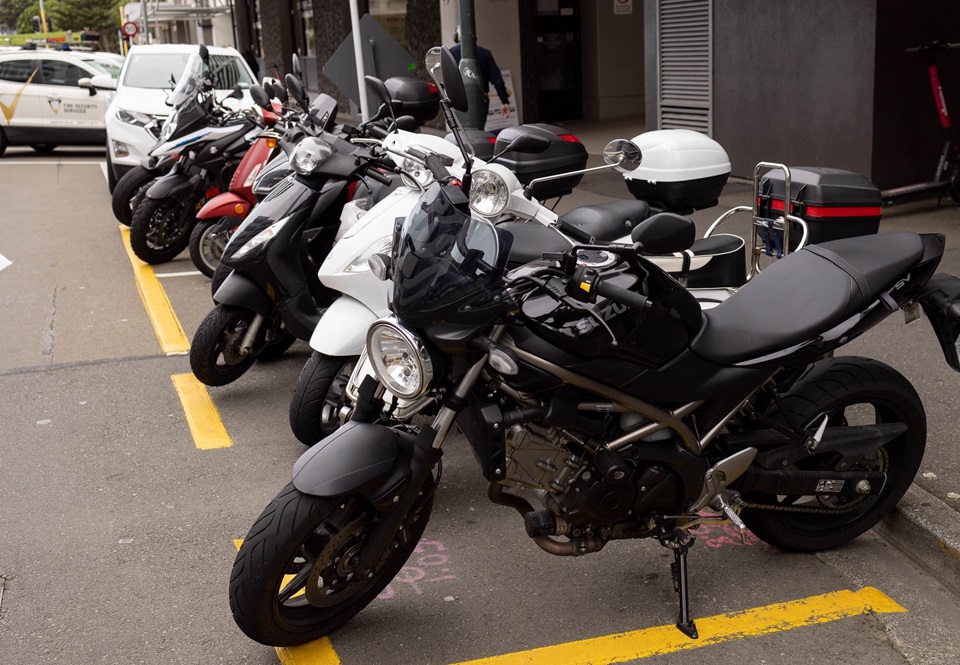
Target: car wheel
[
  {"x": 3, "y": 142},
  {"x": 43, "y": 148}
]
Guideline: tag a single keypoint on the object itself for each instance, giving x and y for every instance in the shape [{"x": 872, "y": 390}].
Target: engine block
[{"x": 537, "y": 459}]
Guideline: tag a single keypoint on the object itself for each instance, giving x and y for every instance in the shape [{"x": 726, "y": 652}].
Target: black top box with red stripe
[{"x": 834, "y": 203}]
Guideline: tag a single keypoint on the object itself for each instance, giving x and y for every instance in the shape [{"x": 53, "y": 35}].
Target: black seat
[
  {"x": 608, "y": 221},
  {"x": 805, "y": 294}
]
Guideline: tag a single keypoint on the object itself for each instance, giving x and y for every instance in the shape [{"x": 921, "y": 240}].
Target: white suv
[
  {"x": 42, "y": 103},
  {"x": 139, "y": 105}
]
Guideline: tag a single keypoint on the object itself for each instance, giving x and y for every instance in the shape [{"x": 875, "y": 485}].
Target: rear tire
[
  {"x": 160, "y": 228},
  {"x": 3, "y": 142},
  {"x": 207, "y": 240},
  {"x": 318, "y": 396},
  {"x": 126, "y": 192},
  {"x": 853, "y": 391},
  {"x": 299, "y": 534}
]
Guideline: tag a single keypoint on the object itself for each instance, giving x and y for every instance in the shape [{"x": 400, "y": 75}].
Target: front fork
[{"x": 426, "y": 455}]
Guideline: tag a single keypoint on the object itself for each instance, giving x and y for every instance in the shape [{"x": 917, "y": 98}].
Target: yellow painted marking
[
  {"x": 173, "y": 341},
  {"x": 202, "y": 415},
  {"x": 660, "y": 640},
  {"x": 318, "y": 652}
]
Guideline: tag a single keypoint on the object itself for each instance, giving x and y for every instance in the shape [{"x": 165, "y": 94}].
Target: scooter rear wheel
[{"x": 207, "y": 240}]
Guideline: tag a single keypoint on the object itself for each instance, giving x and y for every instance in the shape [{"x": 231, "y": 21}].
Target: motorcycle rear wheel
[
  {"x": 160, "y": 229},
  {"x": 294, "y": 578},
  {"x": 207, "y": 240},
  {"x": 215, "y": 356},
  {"x": 852, "y": 391},
  {"x": 318, "y": 396}
]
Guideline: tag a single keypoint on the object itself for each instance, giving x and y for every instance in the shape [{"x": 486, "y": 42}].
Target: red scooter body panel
[{"x": 227, "y": 204}]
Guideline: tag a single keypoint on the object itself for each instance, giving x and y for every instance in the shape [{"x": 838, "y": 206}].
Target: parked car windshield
[
  {"x": 161, "y": 71},
  {"x": 103, "y": 66}
]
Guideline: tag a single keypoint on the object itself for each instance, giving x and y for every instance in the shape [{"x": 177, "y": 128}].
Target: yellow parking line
[
  {"x": 623, "y": 647},
  {"x": 173, "y": 341},
  {"x": 202, "y": 415}
]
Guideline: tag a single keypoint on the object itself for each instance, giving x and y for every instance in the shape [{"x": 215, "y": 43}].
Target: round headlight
[
  {"x": 310, "y": 153},
  {"x": 399, "y": 358},
  {"x": 414, "y": 175},
  {"x": 488, "y": 193}
]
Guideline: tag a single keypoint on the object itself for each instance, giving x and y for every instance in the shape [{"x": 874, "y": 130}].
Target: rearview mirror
[
  {"x": 297, "y": 69},
  {"x": 204, "y": 55},
  {"x": 623, "y": 155},
  {"x": 431, "y": 62},
  {"x": 85, "y": 83},
  {"x": 278, "y": 91},
  {"x": 378, "y": 88},
  {"x": 296, "y": 89},
  {"x": 260, "y": 97},
  {"x": 101, "y": 82},
  {"x": 453, "y": 81}
]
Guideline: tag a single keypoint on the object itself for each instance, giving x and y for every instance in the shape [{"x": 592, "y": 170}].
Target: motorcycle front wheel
[
  {"x": 207, "y": 240},
  {"x": 294, "y": 578},
  {"x": 849, "y": 391},
  {"x": 318, "y": 396},
  {"x": 216, "y": 355},
  {"x": 125, "y": 193},
  {"x": 160, "y": 229}
]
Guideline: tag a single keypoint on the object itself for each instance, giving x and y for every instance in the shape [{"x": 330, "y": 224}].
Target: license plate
[{"x": 911, "y": 313}]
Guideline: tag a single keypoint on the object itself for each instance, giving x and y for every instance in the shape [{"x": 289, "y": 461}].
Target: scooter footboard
[{"x": 941, "y": 304}]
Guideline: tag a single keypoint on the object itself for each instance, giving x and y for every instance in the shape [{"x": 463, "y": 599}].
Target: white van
[
  {"x": 139, "y": 104},
  {"x": 42, "y": 103}
]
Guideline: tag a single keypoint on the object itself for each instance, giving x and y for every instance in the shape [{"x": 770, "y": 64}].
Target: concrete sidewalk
[{"x": 926, "y": 523}]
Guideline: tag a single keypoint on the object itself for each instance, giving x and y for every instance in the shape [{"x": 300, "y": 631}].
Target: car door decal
[
  {"x": 54, "y": 103},
  {"x": 8, "y": 111}
]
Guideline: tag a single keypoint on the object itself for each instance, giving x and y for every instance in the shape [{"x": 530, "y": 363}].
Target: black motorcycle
[
  {"x": 602, "y": 404},
  {"x": 209, "y": 142}
]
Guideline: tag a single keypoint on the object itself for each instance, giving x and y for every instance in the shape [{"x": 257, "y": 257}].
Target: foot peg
[{"x": 680, "y": 544}]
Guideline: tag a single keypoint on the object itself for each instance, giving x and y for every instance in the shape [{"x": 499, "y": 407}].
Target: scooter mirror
[
  {"x": 405, "y": 122},
  {"x": 260, "y": 96},
  {"x": 665, "y": 233},
  {"x": 204, "y": 55},
  {"x": 297, "y": 69},
  {"x": 432, "y": 62},
  {"x": 378, "y": 88},
  {"x": 237, "y": 93},
  {"x": 453, "y": 81},
  {"x": 279, "y": 92},
  {"x": 296, "y": 89},
  {"x": 623, "y": 155}
]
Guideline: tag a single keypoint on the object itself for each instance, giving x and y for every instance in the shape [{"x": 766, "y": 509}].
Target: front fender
[
  {"x": 371, "y": 460},
  {"x": 172, "y": 184},
  {"x": 342, "y": 330},
  {"x": 225, "y": 204},
  {"x": 241, "y": 291}
]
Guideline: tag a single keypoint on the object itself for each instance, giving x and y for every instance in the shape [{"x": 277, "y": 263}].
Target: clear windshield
[
  {"x": 449, "y": 265},
  {"x": 190, "y": 82}
]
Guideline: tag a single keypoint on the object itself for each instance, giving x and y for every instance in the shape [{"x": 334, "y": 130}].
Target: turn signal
[
  {"x": 271, "y": 143},
  {"x": 239, "y": 208}
]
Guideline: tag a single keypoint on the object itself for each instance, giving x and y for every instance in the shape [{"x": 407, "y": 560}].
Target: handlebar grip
[
  {"x": 435, "y": 163},
  {"x": 377, "y": 131},
  {"x": 372, "y": 172},
  {"x": 622, "y": 296}
]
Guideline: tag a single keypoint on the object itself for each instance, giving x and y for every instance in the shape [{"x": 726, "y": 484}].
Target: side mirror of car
[
  {"x": 100, "y": 82},
  {"x": 85, "y": 83}
]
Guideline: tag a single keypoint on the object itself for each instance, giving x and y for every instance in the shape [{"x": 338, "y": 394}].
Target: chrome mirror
[
  {"x": 623, "y": 155},
  {"x": 432, "y": 62}
]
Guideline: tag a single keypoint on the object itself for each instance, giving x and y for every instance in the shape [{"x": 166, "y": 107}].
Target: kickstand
[{"x": 681, "y": 544}]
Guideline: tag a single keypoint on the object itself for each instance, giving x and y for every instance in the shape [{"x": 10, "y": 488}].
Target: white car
[
  {"x": 139, "y": 104},
  {"x": 42, "y": 103}
]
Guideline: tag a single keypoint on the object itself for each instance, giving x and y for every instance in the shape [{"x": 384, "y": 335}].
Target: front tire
[
  {"x": 160, "y": 228},
  {"x": 294, "y": 581},
  {"x": 318, "y": 396},
  {"x": 215, "y": 355},
  {"x": 852, "y": 391},
  {"x": 125, "y": 193},
  {"x": 207, "y": 240}
]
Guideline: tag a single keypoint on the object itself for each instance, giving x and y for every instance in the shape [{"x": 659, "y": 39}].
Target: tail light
[{"x": 569, "y": 138}]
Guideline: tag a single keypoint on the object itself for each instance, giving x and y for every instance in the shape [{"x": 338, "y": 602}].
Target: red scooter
[{"x": 222, "y": 214}]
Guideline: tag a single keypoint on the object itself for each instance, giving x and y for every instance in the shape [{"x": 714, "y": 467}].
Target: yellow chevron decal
[{"x": 8, "y": 111}]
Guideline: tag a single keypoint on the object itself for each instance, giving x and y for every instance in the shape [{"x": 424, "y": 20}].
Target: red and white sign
[{"x": 129, "y": 29}]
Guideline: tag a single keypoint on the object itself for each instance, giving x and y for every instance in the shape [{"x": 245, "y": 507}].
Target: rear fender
[
  {"x": 371, "y": 460},
  {"x": 240, "y": 291},
  {"x": 225, "y": 204},
  {"x": 342, "y": 330},
  {"x": 941, "y": 304}
]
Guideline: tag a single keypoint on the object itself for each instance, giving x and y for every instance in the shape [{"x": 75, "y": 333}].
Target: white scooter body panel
[
  {"x": 177, "y": 146},
  {"x": 342, "y": 330}
]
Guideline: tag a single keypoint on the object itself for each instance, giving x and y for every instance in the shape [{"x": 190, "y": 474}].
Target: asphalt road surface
[{"x": 117, "y": 532}]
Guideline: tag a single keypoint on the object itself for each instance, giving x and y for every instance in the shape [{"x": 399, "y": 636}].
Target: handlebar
[
  {"x": 622, "y": 296},
  {"x": 933, "y": 48},
  {"x": 373, "y": 173}
]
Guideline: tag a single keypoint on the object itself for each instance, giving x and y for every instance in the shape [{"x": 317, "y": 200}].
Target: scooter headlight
[
  {"x": 362, "y": 263},
  {"x": 310, "y": 153},
  {"x": 400, "y": 359},
  {"x": 488, "y": 193},
  {"x": 261, "y": 238}
]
